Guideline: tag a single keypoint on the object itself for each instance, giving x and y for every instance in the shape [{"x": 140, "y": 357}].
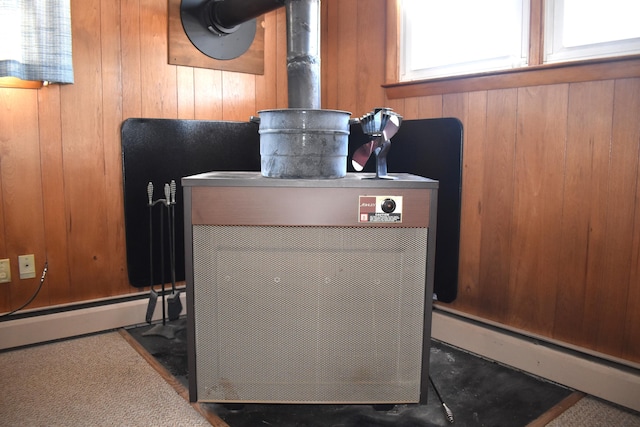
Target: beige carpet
[
  {"x": 592, "y": 412},
  {"x": 97, "y": 380}
]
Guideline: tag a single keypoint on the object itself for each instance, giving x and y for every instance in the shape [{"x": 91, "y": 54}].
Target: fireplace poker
[
  {"x": 174, "y": 305},
  {"x": 153, "y": 295},
  {"x": 164, "y": 201}
]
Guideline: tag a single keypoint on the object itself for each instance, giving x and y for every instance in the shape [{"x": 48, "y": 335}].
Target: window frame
[{"x": 536, "y": 73}]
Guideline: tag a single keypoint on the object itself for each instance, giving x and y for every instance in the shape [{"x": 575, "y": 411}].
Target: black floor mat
[{"x": 478, "y": 391}]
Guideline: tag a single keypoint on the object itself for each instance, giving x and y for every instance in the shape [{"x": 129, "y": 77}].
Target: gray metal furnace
[{"x": 309, "y": 291}]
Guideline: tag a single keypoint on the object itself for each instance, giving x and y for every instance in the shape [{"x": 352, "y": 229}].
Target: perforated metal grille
[{"x": 309, "y": 314}]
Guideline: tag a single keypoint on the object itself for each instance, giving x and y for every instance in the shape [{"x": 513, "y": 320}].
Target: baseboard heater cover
[{"x": 93, "y": 317}]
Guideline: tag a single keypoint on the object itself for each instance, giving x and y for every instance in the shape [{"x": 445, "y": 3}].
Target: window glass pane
[
  {"x": 445, "y": 37},
  {"x": 596, "y": 21},
  {"x": 585, "y": 29}
]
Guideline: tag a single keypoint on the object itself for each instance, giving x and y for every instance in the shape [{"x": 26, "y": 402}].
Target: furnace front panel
[{"x": 304, "y": 313}]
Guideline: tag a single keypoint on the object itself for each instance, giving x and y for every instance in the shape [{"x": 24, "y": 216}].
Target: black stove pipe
[
  {"x": 224, "y": 15},
  {"x": 303, "y": 40}
]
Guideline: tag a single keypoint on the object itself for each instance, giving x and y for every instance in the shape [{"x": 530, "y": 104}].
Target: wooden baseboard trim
[{"x": 557, "y": 410}]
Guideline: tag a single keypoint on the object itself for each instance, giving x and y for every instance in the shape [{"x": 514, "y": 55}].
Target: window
[
  {"x": 442, "y": 38},
  {"x": 583, "y": 29},
  {"x": 454, "y": 37}
]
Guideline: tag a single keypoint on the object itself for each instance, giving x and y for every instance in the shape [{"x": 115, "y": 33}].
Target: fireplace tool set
[{"x": 172, "y": 302}]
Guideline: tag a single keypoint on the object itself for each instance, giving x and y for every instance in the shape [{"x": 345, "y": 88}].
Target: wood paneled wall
[
  {"x": 551, "y": 204},
  {"x": 550, "y": 233},
  {"x": 550, "y": 211},
  {"x": 60, "y": 153}
]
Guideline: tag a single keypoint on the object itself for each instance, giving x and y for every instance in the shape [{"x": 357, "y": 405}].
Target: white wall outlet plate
[
  {"x": 5, "y": 271},
  {"x": 27, "y": 266}
]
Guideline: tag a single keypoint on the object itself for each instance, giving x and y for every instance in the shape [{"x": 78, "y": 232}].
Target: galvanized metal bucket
[{"x": 304, "y": 143}]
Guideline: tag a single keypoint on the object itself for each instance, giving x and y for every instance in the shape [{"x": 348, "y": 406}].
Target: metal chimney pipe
[
  {"x": 303, "y": 40},
  {"x": 303, "y": 53}
]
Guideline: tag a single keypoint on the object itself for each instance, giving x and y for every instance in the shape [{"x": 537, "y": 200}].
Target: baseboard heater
[{"x": 70, "y": 320}]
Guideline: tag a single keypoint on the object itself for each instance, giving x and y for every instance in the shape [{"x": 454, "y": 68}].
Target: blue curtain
[{"x": 35, "y": 40}]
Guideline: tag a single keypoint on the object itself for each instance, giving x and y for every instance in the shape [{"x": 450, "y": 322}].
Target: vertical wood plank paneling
[
  {"x": 186, "y": 92},
  {"x": 330, "y": 40},
  {"x": 631, "y": 338},
  {"x": 5, "y": 300},
  {"x": 208, "y": 99},
  {"x": 239, "y": 93},
  {"x": 631, "y": 343},
  {"x": 21, "y": 190},
  {"x": 347, "y": 60},
  {"x": 497, "y": 203},
  {"x": 397, "y": 105},
  {"x": 158, "y": 81},
  {"x": 422, "y": 107},
  {"x": 411, "y": 110},
  {"x": 370, "y": 66},
  {"x": 130, "y": 60},
  {"x": 282, "y": 97},
  {"x": 583, "y": 222},
  {"x": 58, "y": 281},
  {"x": 472, "y": 113},
  {"x": 329, "y": 47},
  {"x": 83, "y": 157},
  {"x": 470, "y": 109},
  {"x": 5, "y": 161},
  {"x": 111, "y": 119},
  {"x": 265, "y": 87},
  {"x": 456, "y": 105},
  {"x": 431, "y": 107},
  {"x": 540, "y": 156},
  {"x": 621, "y": 204}
]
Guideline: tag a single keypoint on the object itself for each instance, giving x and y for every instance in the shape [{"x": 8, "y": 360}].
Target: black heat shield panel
[{"x": 159, "y": 150}]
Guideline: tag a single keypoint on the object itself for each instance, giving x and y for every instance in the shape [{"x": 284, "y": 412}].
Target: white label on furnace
[{"x": 380, "y": 209}]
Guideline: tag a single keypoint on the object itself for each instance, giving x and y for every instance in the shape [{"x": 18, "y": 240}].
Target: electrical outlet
[
  {"x": 5, "y": 271},
  {"x": 27, "y": 266}
]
